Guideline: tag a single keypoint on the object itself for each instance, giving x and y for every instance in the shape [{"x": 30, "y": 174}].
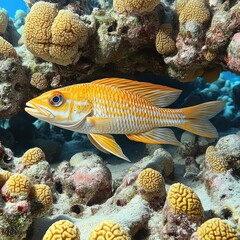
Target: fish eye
[{"x": 56, "y": 100}]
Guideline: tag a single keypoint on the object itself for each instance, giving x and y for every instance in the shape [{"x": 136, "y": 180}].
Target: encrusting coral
[
  {"x": 6, "y": 49},
  {"x": 215, "y": 228},
  {"x": 42, "y": 199},
  {"x": 135, "y": 6},
  {"x": 54, "y": 36},
  {"x": 109, "y": 230},
  {"x": 33, "y": 156},
  {"x": 62, "y": 229},
  {"x": 3, "y": 20},
  {"x": 215, "y": 162},
  {"x": 39, "y": 81}
]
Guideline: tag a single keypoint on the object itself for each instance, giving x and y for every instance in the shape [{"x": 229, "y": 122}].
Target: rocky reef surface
[{"x": 190, "y": 192}]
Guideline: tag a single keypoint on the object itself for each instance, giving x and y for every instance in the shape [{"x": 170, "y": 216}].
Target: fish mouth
[{"x": 37, "y": 111}]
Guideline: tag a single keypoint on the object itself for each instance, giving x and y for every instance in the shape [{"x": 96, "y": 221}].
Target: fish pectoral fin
[
  {"x": 156, "y": 136},
  {"x": 101, "y": 122},
  {"x": 107, "y": 143},
  {"x": 95, "y": 143},
  {"x": 157, "y": 95}
]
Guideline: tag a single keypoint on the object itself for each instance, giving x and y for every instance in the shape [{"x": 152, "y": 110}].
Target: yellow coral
[
  {"x": 150, "y": 180},
  {"x": 184, "y": 201},
  {"x": 180, "y": 4},
  {"x": 42, "y": 194},
  {"x": 216, "y": 228},
  {"x": 39, "y": 81},
  {"x": 164, "y": 43},
  {"x": 215, "y": 161},
  {"x": 135, "y": 6},
  {"x": 62, "y": 230},
  {"x": 109, "y": 230},
  {"x": 54, "y": 36},
  {"x": 33, "y": 156},
  {"x": 6, "y": 49},
  {"x": 3, "y": 20},
  {"x": 18, "y": 184},
  {"x": 195, "y": 11},
  {"x": 4, "y": 176}
]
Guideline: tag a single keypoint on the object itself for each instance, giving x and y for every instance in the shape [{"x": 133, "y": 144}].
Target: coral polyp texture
[
  {"x": 4, "y": 176},
  {"x": 41, "y": 195},
  {"x": 18, "y": 185},
  {"x": 216, "y": 228},
  {"x": 62, "y": 229},
  {"x": 3, "y": 20},
  {"x": 135, "y": 6},
  {"x": 33, "y": 156},
  {"x": 216, "y": 163},
  {"x": 184, "y": 201},
  {"x": 6, "y": 49},
  {"x": 39, "y": 81},
  {"x": 150, "y": 180},
  {"x": 109, "y": 230},
  {"x": 54, "y": 35},
  {"x": 195, "y": 11}
]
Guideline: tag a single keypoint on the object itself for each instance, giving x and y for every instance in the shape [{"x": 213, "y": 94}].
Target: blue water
[{"x": 13, "y": 5}]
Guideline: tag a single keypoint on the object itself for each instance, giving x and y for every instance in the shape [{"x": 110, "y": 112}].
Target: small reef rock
[{"x": 147, "y": 201}]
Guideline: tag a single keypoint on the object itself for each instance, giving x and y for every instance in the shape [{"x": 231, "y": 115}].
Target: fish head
[{"x": 62, "y": 107}]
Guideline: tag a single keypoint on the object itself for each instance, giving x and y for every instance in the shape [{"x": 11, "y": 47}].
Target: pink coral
[{"x": 233, "y": 57}]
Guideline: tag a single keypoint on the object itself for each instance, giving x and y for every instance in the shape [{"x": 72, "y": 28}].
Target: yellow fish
[{"x": 122, "y": 106}]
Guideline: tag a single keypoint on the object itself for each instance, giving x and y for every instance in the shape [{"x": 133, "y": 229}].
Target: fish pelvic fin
[
  {"x": 157, "y": 95},
  {"x": 156, "y": 136},
  {"x": 107, "y": 144},
  {"x": 196, "y": 118}
]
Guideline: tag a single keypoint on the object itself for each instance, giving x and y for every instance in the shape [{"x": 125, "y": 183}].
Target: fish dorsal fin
[{"x": 158, "y": 95}]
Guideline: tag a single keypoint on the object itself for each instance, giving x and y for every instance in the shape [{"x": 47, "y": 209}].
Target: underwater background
[{"x": 55, "y": 183}]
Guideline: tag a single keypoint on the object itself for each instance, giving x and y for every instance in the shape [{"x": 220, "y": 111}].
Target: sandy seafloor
[{"x": 119, "y": 168}]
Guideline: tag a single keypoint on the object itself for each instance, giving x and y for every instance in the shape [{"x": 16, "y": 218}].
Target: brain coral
[
  {"x": 4, "y": 176},
  {"x": 6, "y": 49},
  {"x": 54, "y": 36},
  {"x": 164, "y": 43},
  {"x": 62, "y": 230},
  {"x": 109, "y": 230},
  {"x": 135, "y": 6},
  {"x": 184, "y": 201},
  {"x": 39, "y": 81},
  {"x": 33, "y": 156},
  {"x": 195, "y": 11},
  {"x": 3, "y": 20},
  {"x": 150, "y": 180},
  {"x": 216, "y": 163},
  {"x": 216, "y": 228},
  {"x": 42, "y": 195},
  {"x": 18, "y": 184}
]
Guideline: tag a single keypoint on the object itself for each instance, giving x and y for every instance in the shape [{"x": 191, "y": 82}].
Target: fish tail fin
[{"x": 197, "y": 118}]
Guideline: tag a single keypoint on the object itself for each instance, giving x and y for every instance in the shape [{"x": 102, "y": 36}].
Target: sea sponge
[
  {"x": 54, "y": 36},
  {"x": 195, "y": 11},
  {"x": 4, "y": 176},
  {"x": 215, "y": 162},
  {"x": 33, "y": 156},
  {"x": 164, "y": 43},
  {"x": 62, "y": 229},
  {"x": 184, "y": 201},
  {"x": 41, "y": 195},
  {"x": 150, "y": 180},
  {"x": 216, "y": 228},
  {"x": 3, "y": 20},
  {"x": 109, "y": 230},
  {"x": 135, "y": 6},
  {"x": 39, "y": 81},
  {"x": 6, "y": 49},
  {"x": 18, "y": 184}
]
